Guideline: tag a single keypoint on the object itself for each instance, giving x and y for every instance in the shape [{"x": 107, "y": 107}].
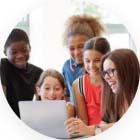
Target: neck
[{"x": 95, "y": 81}]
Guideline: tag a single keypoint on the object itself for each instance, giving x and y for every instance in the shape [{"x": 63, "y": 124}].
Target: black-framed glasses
[{"x": 109, "y": 72}]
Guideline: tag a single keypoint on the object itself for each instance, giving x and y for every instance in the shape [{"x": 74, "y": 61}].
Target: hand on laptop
[{"x": 75, "y": 126}]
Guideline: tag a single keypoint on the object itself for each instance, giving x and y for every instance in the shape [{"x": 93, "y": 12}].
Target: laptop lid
[{"x": 46, "y": 117}]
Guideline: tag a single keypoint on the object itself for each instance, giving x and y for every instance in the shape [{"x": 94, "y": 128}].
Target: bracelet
[{"x": 98, "y": 129}]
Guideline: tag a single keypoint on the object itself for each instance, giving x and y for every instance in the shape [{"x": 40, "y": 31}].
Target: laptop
[{"x": 46, "y": 117}]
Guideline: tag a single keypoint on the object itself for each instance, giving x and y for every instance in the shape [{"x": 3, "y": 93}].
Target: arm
[
  {"x": 70, "y": 109},
  {"x": 66, "y": 98},
  {"x": 80, "y": 103}
]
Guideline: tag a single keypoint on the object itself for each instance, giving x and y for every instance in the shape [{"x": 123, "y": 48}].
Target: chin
[
  {"x": 21, "y": 66},
  {"x": 115, "y": 91},
  {"x": 79, "y": 61}
]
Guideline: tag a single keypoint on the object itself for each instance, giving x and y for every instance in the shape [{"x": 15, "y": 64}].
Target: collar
[{"x": 73, "y": 63}]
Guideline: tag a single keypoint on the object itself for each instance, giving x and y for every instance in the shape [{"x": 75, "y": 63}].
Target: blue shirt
[{"x": 71, "y": 71}]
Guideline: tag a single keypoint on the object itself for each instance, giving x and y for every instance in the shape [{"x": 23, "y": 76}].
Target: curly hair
[{"x": 83, "y": 25}]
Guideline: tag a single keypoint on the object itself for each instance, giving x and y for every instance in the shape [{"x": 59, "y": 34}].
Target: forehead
[
  {"x": 92, "y": 54},
  {"x": 18, "y": 45},
  {"x": 108, "y": 63},
  {"x": 77, "y": 39},
  {"x": 50, "y": 79}
]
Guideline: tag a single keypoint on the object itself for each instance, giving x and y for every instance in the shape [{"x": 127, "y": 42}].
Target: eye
[
  {"x": 87, "y": 60},
  {"x": 104, "y": 73},
  {"x": 24, "y": 50},
  {"x": 71, "y": 48},
  {"x": 97, "y": 60},
  {"x": 57, "y": 88},
  {"x": 46, "y": 88},
  {"x": 13, "y": 52},
  {"x": 80, "y": 46}
]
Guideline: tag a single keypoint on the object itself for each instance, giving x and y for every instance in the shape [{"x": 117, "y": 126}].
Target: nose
[
  {"x": 92, "y": 64},
  {"x": 77, "y": 51},
  {"x": 52, "y": 93},
  {"x": 19, "y": 55}
]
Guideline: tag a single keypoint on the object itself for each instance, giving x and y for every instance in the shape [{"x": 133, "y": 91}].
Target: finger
[
  {"x": 68, "y": 121},
  {"x": 73, "y": 127}
]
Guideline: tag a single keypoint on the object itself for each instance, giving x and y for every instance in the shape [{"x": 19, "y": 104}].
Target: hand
[{"x": 75, "y": 126}]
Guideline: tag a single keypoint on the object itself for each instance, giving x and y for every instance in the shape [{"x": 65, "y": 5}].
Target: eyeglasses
[{"x": 109, "y": 72}]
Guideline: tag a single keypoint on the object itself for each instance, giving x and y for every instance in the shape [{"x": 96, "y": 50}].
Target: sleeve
[{"x": 3, "y": 72}]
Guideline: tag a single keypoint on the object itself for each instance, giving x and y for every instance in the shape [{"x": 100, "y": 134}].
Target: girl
[
  {"x": 121, "y": 73},
  {"x": 51, "y": 86},
  {"x": 18, "y": 77},
  {"x": 87, "y": 89}
]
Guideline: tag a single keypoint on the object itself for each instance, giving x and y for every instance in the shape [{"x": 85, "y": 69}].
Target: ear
[
  {"x": 5, "y": 52},
  {"x": 38, "y": 90},
  {"x": 29, "y": 49},
  {"x": 64, "y": 91}
]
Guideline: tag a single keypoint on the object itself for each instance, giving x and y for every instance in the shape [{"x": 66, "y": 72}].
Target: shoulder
[
  {"x": 66, "y": 66},
  {"x": 4, "y": 68},
  {"x": 34, "y": 68},
  {"x": 4, "y": 61},
  {"x": 78, "y": 80},
  {"x": 78, "y": 86},
  {"x": 66, "y": 63},
  {"x": 4, "y": 65}
]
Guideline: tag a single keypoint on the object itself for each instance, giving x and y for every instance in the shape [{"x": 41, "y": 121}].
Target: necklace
[{"x": 93, "y": 81}]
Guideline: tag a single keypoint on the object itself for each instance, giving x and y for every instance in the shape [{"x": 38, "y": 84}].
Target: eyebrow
[{"x": 50, "y": 84}]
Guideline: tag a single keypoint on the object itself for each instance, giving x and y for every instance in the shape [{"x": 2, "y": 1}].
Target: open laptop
[{"x": 46, "y": 117}]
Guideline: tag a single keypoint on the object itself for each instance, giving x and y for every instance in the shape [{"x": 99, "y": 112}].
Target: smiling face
[
  {"x": 51, "y": 89},
  {"x": 75, "y": 45},
  {"x": 111, "y": 75},
  {"x": 18, "y": 54},
  {"x": 92, "y": 62}
]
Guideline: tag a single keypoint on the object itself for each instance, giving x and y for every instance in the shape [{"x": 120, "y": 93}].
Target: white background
[{"x": 12, "y": 128}]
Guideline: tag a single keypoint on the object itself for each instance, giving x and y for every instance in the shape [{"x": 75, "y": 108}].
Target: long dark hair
[{"x": 128, "y": 69}]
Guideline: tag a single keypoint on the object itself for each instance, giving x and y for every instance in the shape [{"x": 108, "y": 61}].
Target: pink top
[{"x": 92, "y": 99}]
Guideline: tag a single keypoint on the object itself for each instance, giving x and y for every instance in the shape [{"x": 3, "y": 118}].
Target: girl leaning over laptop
[
  {"x": 51, "y": 86},
  {"x": 118, "y": 91}
]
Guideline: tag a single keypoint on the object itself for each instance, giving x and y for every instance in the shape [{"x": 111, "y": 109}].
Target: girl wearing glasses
[
  {"x": 87, "y": 89},
  {"x": 121, "y": 72}
]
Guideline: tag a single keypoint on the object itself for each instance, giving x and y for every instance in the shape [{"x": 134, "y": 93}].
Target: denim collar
[{"x": 73, "y": 63}]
